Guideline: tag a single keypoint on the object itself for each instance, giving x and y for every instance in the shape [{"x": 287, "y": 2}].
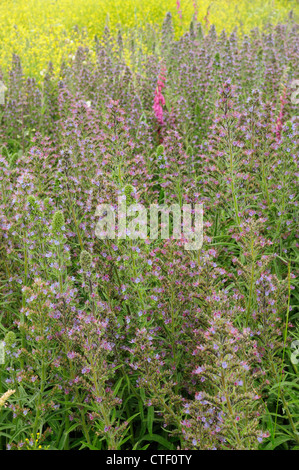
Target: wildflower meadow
[{"x": 149, "y": 225}]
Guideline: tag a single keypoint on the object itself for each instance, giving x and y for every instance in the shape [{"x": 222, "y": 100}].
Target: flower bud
[
  {"x": 10, "y": 338},
  {"x": 129, "y": 189},
  {"x": 85, "y": 260},
  {"x": 33, "y": 205},
  {"x": 58, "y": 221},
  {"x": 160, "y": 150}
]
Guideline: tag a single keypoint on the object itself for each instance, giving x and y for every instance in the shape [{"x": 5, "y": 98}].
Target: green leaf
[
  {"x": 150, "y": 419},
  {"x": 276, "y": 442},
  {"x": 161, "y": 440}
]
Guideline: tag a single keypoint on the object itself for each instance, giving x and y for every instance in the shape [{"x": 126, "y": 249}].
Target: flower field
[
  {"x": 149, "y": 340},
  {"x": 43, "y": 30}
]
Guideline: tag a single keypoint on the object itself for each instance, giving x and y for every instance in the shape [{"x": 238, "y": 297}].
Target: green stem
[
  {"x": 112, "y": 445},
  {"x": 232, "y": 181},
  {"x": 283, "y": 353},
  {"x": 231, "y": 412},
  {"x": 173, "y": 346},
  {"x": 251, "y": 284}
]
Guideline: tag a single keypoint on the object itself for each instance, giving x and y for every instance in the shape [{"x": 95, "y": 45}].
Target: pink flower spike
[
  {"x": 159, "y": 100},
  {"x": 179, "y": 9}
]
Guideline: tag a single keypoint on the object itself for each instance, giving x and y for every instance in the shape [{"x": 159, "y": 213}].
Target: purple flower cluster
[{"x": 117, "y": 336}]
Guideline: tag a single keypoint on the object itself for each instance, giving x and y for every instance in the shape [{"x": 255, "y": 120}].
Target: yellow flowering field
[{"x": 43, "y": 30}]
